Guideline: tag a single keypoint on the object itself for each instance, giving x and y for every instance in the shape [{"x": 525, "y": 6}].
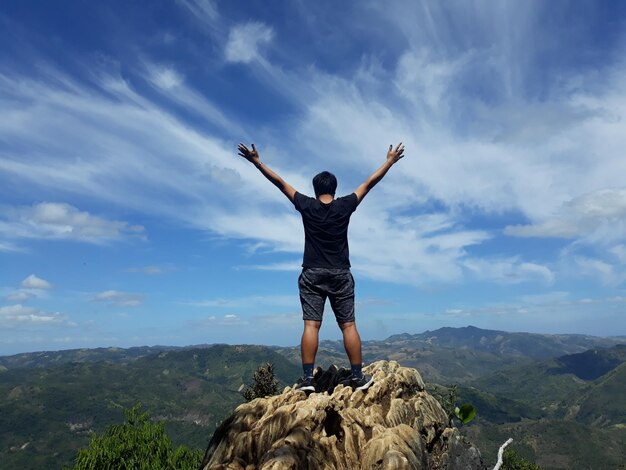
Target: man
[{"x": 326, "y": 264}]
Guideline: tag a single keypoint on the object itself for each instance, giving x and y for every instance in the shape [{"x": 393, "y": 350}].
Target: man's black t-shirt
[{"x": 326, "y": 230}]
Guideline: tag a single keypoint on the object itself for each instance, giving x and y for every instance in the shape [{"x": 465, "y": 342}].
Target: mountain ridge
[{"x": 468, "y": 336}]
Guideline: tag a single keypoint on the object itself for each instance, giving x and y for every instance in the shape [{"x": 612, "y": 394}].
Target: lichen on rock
[{"x": 395, "y": 424}]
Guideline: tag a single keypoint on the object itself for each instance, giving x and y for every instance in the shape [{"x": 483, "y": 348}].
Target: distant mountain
[
  {"x": 501, "y": 346},
  {"x": 459, "y": 355},
  {"x": 52, "y": 358},
  {"x": 531, "y": 345}
]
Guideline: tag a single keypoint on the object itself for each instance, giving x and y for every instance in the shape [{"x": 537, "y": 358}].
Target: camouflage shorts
[{"x": 317, "y": 284}]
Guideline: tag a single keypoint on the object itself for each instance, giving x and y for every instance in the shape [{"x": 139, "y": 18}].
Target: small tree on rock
[
  {"x": 464, "y": 413},
  {"x": 264, "y": 383}
]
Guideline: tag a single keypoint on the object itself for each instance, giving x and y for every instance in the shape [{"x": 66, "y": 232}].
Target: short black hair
[{"x": 324, "y": 183}]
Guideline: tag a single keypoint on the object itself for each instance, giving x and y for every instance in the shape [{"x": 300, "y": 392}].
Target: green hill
[
  {"x": 558, "y": 409},
  {"x": 46, "y": 414},
  {"x": 554, "y": 444},
  {"x": 539, "y": 385},
  {"x": 51, "y": 358},
  {"x": 555, "y": 384},
  {"x": 594, "y": 363},
  {"x": 605, "y": 403}
]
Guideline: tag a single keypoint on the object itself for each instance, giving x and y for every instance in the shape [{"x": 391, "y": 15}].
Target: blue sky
[{"x": 126, "y": 217}]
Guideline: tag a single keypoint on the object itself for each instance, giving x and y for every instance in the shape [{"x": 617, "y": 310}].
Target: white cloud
[
  {"x": 9, "y": 247},
  {"x": 165, "y": 77},
  {"x": 244, "y": 41},
  {"x": 549, "y": 297},
  {"x": 507, "y": 270},
  {"x": 425, "y": 80},
  {"x": 457, "y": 312},
  {"x": 598, "y": 269},
  {"x": 18, "y": 315},
  {"x": 20, "y": 296},
  {"x": 31, "y": 287},
  {"x": 283, "y": 266},
  {"x": 229, "y": 320},
  {"x": 279, "y": 320},
  {"x": 169, "y": 82},
  {"x": 62, "y": 221},
  {"x": 118, "y": 298},
  {"x": 34, "y": 282},
  {"x": 203, "y": 10},
  {"x": 619, "y": 251},
  {"x": 252, "y": 301},
  {"x": 150, "y": 270},
  {"x": 600, "y": 214}
]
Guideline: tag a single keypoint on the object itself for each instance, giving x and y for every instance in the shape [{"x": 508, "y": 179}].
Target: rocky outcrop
[{"x": 395, "y": 424}]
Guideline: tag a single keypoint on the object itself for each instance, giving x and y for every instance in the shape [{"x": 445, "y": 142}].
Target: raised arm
[
  {"x": 392, "y": 158},
  {"x": 253, "y": 157}
]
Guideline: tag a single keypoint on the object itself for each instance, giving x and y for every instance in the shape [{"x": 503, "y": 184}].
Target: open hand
[
  {"x": 394, "y": 155},
  {"x": 251, "y": 155}
]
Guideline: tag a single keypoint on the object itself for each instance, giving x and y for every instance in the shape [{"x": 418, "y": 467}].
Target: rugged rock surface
[{"x": 395, "y": 424}]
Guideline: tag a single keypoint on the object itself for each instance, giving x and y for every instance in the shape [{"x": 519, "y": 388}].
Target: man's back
[
  {"x": 326, "y": 267},
  {"x": 326, "y": 230}
]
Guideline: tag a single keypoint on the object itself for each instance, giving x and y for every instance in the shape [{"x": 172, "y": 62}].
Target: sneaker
[
  {"x": 361, "y": 383},
  {"x": 306, "y": 384}
]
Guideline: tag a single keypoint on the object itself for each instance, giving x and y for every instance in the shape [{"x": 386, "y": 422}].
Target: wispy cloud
[
  {"x": 20, "y": 296},
  {"x": 228, "y": 320},
  {"x": 12, "y": 316},
  {"x": 247, "y": 302},
  {"x": 31, "y": 287},
  {"x": 508, "y": 270},
  {"x": 245, "y": 41},
  {"x": 34, "y": 282},
  {"x": 165, "y": 78},
  {"x": 9, "y": 247},
  {"x": 594, "y": 268},
  {"x": 548, "y": 297},
  {"x": 599, "y": 215},
  {"x": 204, "y": 10},
  {"x": 63, "y": 221},
  {"x": 150, "y": 270},
  {"x": 119, "y": 298},
  {"x": 282, "y": 266}
]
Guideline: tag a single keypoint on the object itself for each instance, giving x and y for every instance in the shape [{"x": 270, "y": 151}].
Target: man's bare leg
[
  {"x": 310, "y": 339},
  {"x": 352, "y": 342},
  {"x": 308, "y": 350}
]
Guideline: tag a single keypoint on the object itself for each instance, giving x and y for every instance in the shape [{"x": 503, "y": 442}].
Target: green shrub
[
  {"x": 511, "y": 460},
  {"x": 138, "y": 444}
]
